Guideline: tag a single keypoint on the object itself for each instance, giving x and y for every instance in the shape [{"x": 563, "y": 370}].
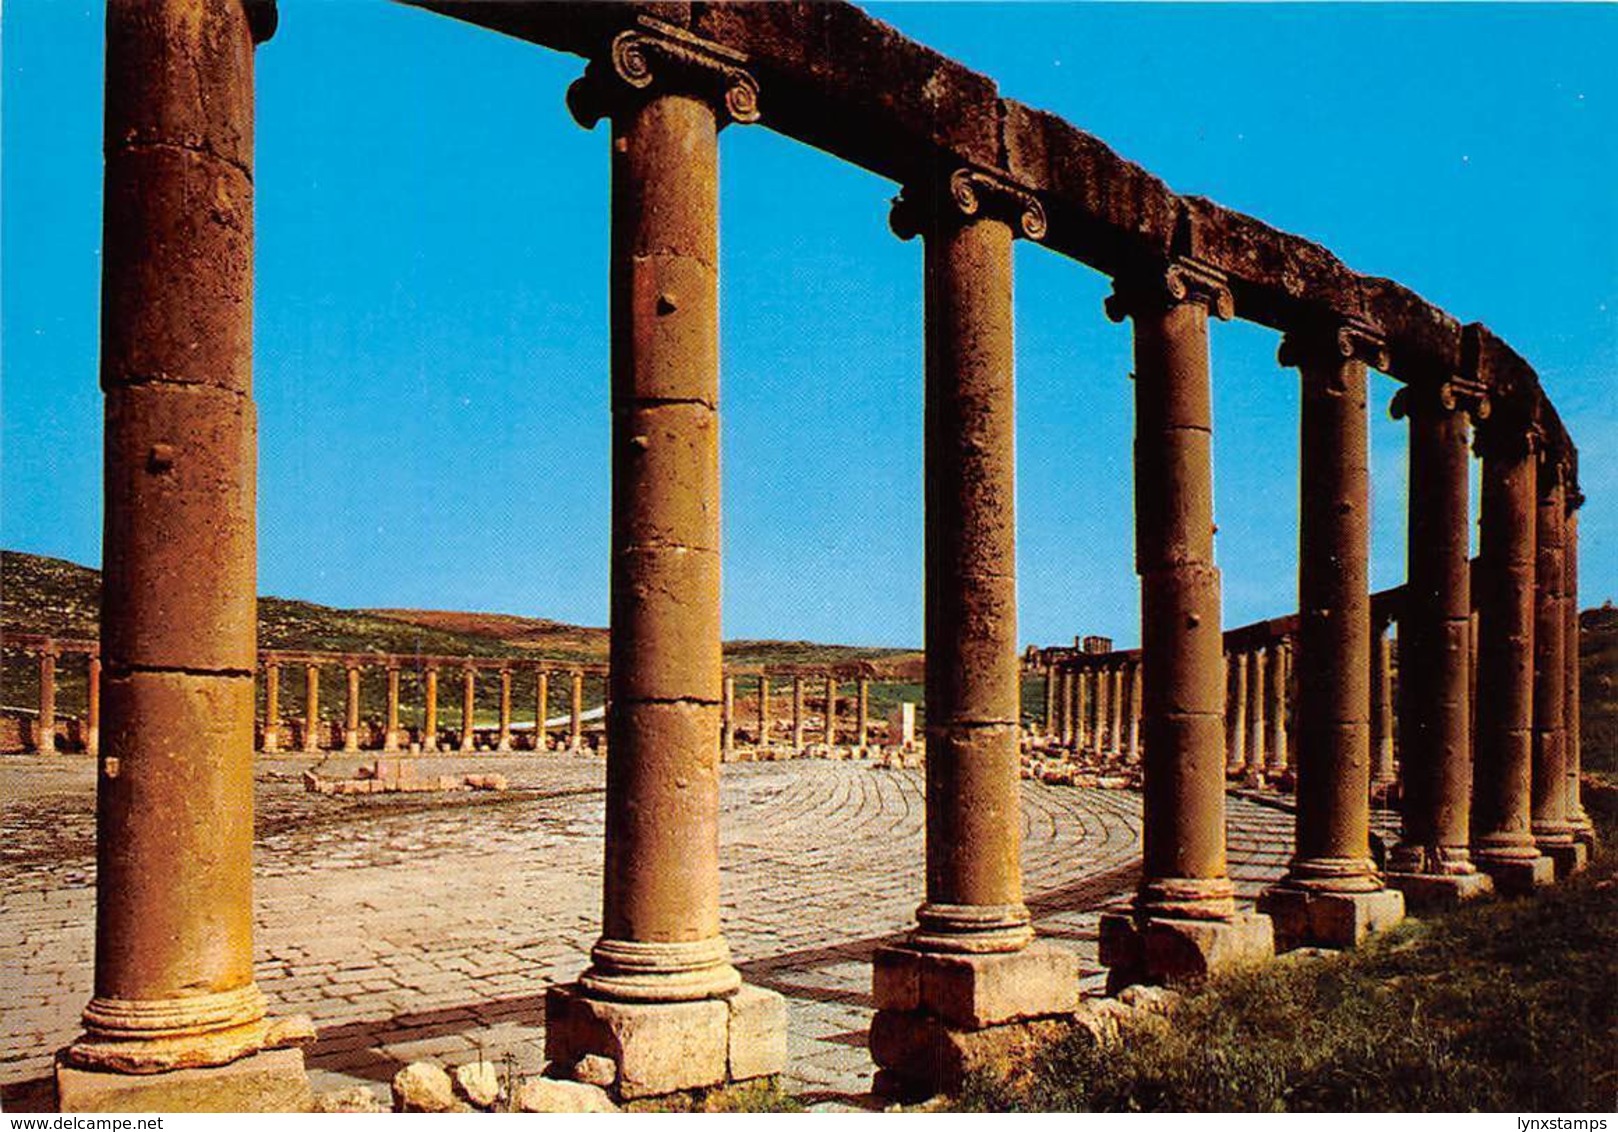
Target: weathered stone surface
[
  {"x": 542, "y": 1094},
  {"x": 1517, "y": 877},
  {"x": 478, "y": 1082},
  {"x": 273, "y": 1081},
  {"x": 758, "y": 1033},
  {"x": 1423, "y": 340},
  {"x": 1432, "y": 892},
  {"x": 356, "y": 1098},
  {"x": 972, "y": 992},
  {"x": 422, "y": 1086},
  {"x": 1161, "y": 949},
  {"x": 924, "y": 1054},
  {"x": 593, "y": 1069},
  {"x": 658, "y": 1047},
  {"x": 1330, "y": 919}
]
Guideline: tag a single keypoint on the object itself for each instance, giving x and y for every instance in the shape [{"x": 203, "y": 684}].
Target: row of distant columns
[
  {"x": 1095, "y": 708},
  {"x": 393, "y": 735},
  {"x": 765, "y": 722}
]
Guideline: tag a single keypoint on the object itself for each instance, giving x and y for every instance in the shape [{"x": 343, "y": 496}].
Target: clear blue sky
[{"x": 432, "y": 303}]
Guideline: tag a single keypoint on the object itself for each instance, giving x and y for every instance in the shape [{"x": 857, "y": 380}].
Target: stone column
[
  {"x": 1332, "y": 894},
  {"x": 1051, "y": 681},
  {"x": 1253, "y": 753},
  {"x": 763, "y": 711},
  {"x": 1134, "y": 712},
  {"x": 92, "y": 706},
  {"x": 272, "y": 707},
  {"x": 1553, "y": 832},
  {"x": 1382, "y": 768},
  {"x": 1184, "y": 921},
  {"x": 174, "y": 983},
  {"x": 797, "y": 714},
  {"x": 727, "y": 719},
  {"x": 429, "y": 719},
  {"x": 1064, "y": 706},
  {"x": 504, "y": 741},
  {"x": 45, "y": 724},
  {"x": 542, "y": 710},
  {"x": 1115, "y": 702},
  {"x": 830, "y": 737},
  {"x": 1583, "y": 829},
  {"x": 390, "y": 731},
  {"x": 1235, "y": 713},
  {"x": 1078, "y": 706},
  {"x": 1502, "y": 834},
  {"x": 311, "y": 707},
  {"x": 973, "y": 941},
  {"x": 469, "y": 708},
  {"x": 1098, "y": 730},
  {"x": 351, "y": 710},
  {"x": 661, "y": 993},
  {"x": 862, "y": 719},
  {"x": 575, "y": 726},
  {"x": 1432, "y": 862},
  {"x": 1276, "y": 690}
]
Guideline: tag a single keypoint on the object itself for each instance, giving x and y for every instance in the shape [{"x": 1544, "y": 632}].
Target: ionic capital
[
  {"x": 1331, "y": 342},
  {"x": 655, "y": 58},
  {"x": 967, "y": 194},
  {"x": 1456, "y": 395},
  {"x": 1182, "y": 280}
]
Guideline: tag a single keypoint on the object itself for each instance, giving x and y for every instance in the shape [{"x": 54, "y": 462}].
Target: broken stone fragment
[
  {"x": 479, "y": 1083},
  {"x": 542, "y": 1094},
  {"x": 422, "y": 1086}
]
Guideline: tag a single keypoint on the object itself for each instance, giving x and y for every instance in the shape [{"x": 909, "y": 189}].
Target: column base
[
  {"x": 1305, "y": 917},
  {"x": 940, "y": 1016},
  {"x": 1516, "y": 876},
  {"x": 1569, "y": 857},
  {"x": 1439, "y": 892},
  {"x": 1151, "y": 948},
  {"x": 668, "y": 1047},
  {"x": 269, "y": 1081}
]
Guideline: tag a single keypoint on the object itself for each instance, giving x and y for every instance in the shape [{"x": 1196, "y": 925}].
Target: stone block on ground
[
  {"x": 1162, "y": 949},
  {"x": 1436, "y": 892},
  {"x": 1304, "y": 917},
  {"x": 1568, "y": 859},
  {"x": 542, "y": 1094},
  {"x": 658, "y": 1047},
  {"x": 479, "y": 1083},
  {"x": 758, "y": 1033},
  {"x": 973, "y": 991},
  {"x": 422, "y": 1086},
  {"x": 272, "y": 1081},
  {"x": 918, "y": 1054},
  {"x": 1519, "y": 877}
]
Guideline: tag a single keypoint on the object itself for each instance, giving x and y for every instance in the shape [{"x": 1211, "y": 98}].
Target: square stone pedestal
[
  {"x": 1568, "y": 859},
  {"x": 1160, "y": 949},
  {"x": 1438, "y": 892},
  {"x": 668, "y": 1047},
  {"x": 940, "y": 1016},
  {"x": 272, "y": 1081},
  {"x": 1305, "y": 918},
  {"x": 1520, "y": 876}
]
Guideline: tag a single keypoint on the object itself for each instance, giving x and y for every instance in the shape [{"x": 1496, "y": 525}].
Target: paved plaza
[{"x": 428, "y": 925}]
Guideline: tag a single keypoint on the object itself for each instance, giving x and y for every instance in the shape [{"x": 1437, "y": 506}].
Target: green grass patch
[
  {"x": 1506, "y": 1005},
  {"x": 750, "y": 1096}
]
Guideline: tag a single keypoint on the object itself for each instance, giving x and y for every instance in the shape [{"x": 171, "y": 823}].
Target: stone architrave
[
  {"x": 1432, "y": 862},
  {"x": 971, "y": 962},
  {"x": 1502, "y": 832},
  {"x": 661, "y": 997},
  {"x": 1332, "y": 894},
  {"x": 1184, "y": 922},
  {"x": 174, "y": 986}
]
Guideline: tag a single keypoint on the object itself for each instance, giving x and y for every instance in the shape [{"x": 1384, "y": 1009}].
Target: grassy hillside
[{"x": 1598, "y": 689}]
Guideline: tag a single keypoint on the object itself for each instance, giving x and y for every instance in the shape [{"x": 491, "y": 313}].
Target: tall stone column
[
  {"x": 1332, "y": 895},
  {"x": 1502, "y": 833},
  {"x": 45, "y": 722},
  {"x": 1064, "y": 707},
  {"x": 1133, "y": 749},
  {"x": 1098, "y": 705},
  {"x": 1235, "y": 713},
  {"x": 830, "y": 736},
  {"x": 351, "y": 709},
  {"x": 1051, "y": 682},
  {"x": 542, "y": 710},
  {"x": 1276, "y": 690},
  {"x": 1078, "y": 706},
  {"x": 272, "y": 707},
  {"x": 1432, "y": 862},
  {"x": 1583, "y": 829},
  {"x": 469, "y": 708},
  {"x": 575, "y": 725},
  {"x": 973, "y": 942},
  {"x": 1382, "y": 768},
  {"x": 763, "y": 711},
  {"x": 429, "y": 710},
  {"x": 390, "y": 730},
  {"x": 862, "y": 719},
  {"x": 311, "y": 707},
  {"x": 1553, "y": 832},
  {"x": 174, "y": 983},
  {"x": 727, "y": 721},
  {"x": 661, "y": 997},
  {"x": 503, "y": 743},
  {"x": 1115, "y": 703},
  {"x": 92, "y": 706},
  {"x": 797, "y": 714},
  {"x": 1253, "y": 755},
  {"x": 1184, "y": 921}
]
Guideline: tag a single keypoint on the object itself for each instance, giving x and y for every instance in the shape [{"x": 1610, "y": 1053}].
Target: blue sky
[{"x": 432, "y": 307}]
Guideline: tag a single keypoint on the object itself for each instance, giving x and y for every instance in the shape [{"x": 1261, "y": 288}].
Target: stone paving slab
[{"x": 429, "y": 925}]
